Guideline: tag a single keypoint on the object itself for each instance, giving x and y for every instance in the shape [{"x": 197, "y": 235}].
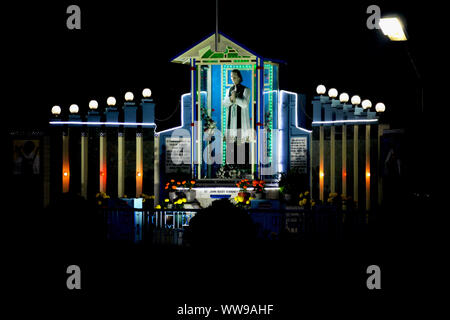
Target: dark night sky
[{"x": 127, "y": 46}]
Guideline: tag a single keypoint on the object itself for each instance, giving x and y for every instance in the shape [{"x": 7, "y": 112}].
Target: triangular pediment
[{"x": 226, "y": 48}]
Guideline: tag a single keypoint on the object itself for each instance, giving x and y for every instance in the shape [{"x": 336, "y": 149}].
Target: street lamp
[{"x": 393, "y": 28}]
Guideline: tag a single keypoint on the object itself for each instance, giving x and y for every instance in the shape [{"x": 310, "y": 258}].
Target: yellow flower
[
  {"x": 183, "y": 200},
  {"x": 158, "y": 207},
  {"x": 248, "y": 202},
  {"x": 107, "y": 197},
  {"x": 236, "y": 199},
  {"x": 306, "y": 193},
  {"x": 240, "y": 198},
  {"x": 313, "y": 204},
  {"x": 166, "y": 200},
  {"x": 251, "y": 198},
  {"x": 301, "y": 195},
  {"x": 304, "y": 201},
  {"x": 99, "y": 203}
]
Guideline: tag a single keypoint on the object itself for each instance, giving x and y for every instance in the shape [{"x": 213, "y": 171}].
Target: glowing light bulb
[
  {"x": 366, "y": 104},
  {"x": 129, "y": 96},
  {"x": 356, "y": 100},
  {"x": 380, "y": 107},
  {"x": 56, "y": 110},
  {"x": 146, "y": 93},
  {"x": 111, "y": 101},
  {"x": 93, "y": 104},
  {"x": 332, "y": 93},
  {"x": 321, "y": 89},
  {"x": 343, "y": 97},
  {"x": 74, "y": 108}
]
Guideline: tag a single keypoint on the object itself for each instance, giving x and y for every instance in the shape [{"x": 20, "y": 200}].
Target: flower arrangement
[
  {"x": 242, "y": 201},
  {"x": 305, "y": 200},
  {"x": 342, "y": 201},
  {"x": 174, "y": 204},
  {"x": 172, "y": 185},
  {"x": 208, "y": 122},
  {"x": 243, "y": 185},
  {"x": 188, "y": 184},
  {"x": 102, "y": 198},
  {"x": 334, "y": 198},
  {"x": 259, "y": 185}
]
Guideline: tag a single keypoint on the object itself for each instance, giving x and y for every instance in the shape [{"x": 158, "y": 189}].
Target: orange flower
[
  {"x": 178, "y": 183},
  {"x": 166, "y": 187},
  {"x": 172, "y": 180},
  {"x": 255, "y": 183},
  {"x": 193, "y": 182},
  {"x": 174, "y": 187},
  {"x": 183, "y": 182},
  {"x": 245, "y": 187}
]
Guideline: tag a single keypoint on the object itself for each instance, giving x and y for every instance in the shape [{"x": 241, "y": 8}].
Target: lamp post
[
  {"x": 321, "y": 90},
  {"x": 343, "y": 98},
  {"x": 333, "y": 93},
  {"x": 356, "y": 100},
  {"x": 393, "y": 28}
]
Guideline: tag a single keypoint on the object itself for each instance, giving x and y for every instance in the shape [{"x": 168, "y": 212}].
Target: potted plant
[
  {"x": 305, "y": 200},
  {"x": 259, "y": 188},
  {"x": 243, "y": 186},
  {"x": 292, "y": 182},
  {"x": 172, "y": 187}
]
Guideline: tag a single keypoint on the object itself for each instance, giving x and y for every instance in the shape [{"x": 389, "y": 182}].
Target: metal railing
[{"x": 166, "y": 226}]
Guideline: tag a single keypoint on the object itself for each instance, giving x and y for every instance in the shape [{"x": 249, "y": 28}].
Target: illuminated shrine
[{"x": 236, "y": 123}]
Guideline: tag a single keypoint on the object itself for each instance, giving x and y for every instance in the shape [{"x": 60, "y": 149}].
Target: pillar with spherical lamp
[
  {"x": 380, "y": 108},
  {"x": 343, "y": 98},
  {"x": 148, "y": 116},
  {"x": 332, "y": 93},
  {"x": 367, "y": 104},
  {"x": 92, "y": 116},
  {"x": 356, "y": 100},
  {"x": 318, "y": 114},
  {"x": 111, "y": 112},
  {"x": 130, "y": 119}
]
